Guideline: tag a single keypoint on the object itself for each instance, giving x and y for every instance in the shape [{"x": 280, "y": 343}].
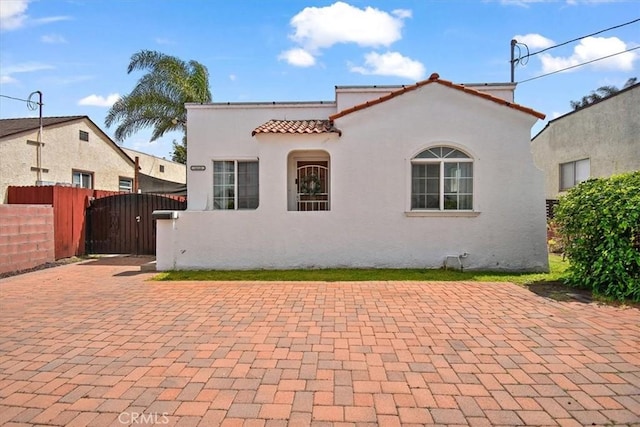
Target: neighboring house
[
  {"x": 396, "y": 176},
  {"x": 159, "y": 175},
  {"x": 598, "y": 140},
  {"x": 74, "y": 151}
]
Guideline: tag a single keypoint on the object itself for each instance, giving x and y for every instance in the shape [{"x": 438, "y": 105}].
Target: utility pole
[
  {"x": 513, "y": 60},
  {"x": 32, "y": 106}
]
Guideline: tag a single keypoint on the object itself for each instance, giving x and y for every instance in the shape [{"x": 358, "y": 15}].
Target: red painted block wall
[{"x": 26, "y": 236}]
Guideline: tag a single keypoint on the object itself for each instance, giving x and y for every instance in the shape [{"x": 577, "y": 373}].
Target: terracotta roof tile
[
  {"x": 296, "y": 126},
  {"x": 435, "y": 78}
]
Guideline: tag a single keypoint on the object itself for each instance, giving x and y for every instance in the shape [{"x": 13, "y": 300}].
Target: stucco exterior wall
[
  {"x": 606, "y": 133},
  {"x": 348, "y": 96},
  {"x": 62, "y": 153},
  {"x": 150, "y": 165},
  {"x": 370, "y": 223}
]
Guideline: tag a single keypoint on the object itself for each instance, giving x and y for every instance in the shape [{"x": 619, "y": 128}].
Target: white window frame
[
  {"x": 575, "y": 180},
  {"x": 81, "y": 173},
  {"x": 235, "y": 183},
  {"x": 441, "y": 161},
  {"x": 129, "y": 188}
]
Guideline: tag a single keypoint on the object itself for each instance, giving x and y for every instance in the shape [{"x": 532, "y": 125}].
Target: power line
[
  {"x": 580, "y": 38},
  {"x": 15, "y": 99},
  {"x": 579, "y": 65}
]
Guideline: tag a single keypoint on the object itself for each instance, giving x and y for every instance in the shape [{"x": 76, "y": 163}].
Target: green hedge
[{"x": 599, "y": 223}]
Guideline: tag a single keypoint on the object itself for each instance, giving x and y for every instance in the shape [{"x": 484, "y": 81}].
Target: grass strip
[{"x": 556, "y": 263}]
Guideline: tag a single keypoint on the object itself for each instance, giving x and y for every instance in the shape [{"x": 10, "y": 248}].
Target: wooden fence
[{"x": 69, "y": 205}]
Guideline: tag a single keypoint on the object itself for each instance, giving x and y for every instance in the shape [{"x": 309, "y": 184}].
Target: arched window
[{"x": 442, "y": 179}]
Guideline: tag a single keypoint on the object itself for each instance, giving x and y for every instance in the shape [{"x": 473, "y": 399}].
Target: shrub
[{"x": 599, "y": 223}]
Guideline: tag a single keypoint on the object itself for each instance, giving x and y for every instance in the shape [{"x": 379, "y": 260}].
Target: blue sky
[{"x": 77, "y": 51}]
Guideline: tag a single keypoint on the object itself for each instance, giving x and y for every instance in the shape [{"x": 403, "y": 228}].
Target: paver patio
[{"x": 97, "y": 344}]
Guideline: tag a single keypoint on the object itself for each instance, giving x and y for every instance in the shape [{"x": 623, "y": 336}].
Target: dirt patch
[
  {"x": 560, "y": 292},
  {"x": 63, "y": 261}
]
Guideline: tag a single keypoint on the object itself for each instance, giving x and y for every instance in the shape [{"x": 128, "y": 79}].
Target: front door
[{"x": 312, "y": 182}]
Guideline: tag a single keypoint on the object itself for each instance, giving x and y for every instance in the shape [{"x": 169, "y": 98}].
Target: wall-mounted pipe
[{"x": 457, "y": 261}]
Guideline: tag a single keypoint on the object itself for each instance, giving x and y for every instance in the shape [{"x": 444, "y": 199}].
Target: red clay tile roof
[
  {"x": 296, "y": 126},
  {"x": 435, "y": 78}
]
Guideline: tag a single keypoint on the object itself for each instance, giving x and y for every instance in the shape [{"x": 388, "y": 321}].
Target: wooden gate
[{"x": 122, "y": 224}]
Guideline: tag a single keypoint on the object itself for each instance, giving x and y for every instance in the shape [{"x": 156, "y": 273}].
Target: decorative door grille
[{"x": 313, "y": 187}]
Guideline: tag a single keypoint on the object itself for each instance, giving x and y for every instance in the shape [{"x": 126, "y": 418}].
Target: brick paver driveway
[{"x": 96, "y": 344}]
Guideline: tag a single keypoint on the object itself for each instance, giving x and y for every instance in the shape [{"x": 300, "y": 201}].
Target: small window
[
  {"x": 84, "y": 136},
  {"x": 82, "y": 179},
  {"x": 573, "y": 173},
  {"x": 442, "y": 179},
  {"x": 235, "y": 185},
  {"x": 162, "y": 168},
  {"x": 125, "y": 184}
]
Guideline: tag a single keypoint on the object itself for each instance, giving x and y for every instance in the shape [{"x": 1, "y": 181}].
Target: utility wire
[
  {"x": 580, "y": 38},
  {"x": 579, "y": 65},
  {"x": 16, "y": 99}
]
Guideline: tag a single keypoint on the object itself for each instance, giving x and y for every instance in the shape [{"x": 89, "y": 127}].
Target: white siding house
[{"x": 403, "y": 176}]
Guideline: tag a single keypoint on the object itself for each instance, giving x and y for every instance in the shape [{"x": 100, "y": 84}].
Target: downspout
[{"x": 136, "y": 175}]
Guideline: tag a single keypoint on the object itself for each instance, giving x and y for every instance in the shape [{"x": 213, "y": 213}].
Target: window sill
[{"x": 466, "y": 214}]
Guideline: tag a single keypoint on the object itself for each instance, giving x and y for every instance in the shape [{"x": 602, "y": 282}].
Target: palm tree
[
  {"x": 600, "y": 94},
  {"x": 158, "y": 98}
]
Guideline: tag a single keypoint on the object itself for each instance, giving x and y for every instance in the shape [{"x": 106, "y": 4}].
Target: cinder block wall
[{"x": 26, "y": 236}]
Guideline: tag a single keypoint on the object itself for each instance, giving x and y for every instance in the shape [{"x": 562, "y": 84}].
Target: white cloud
[
  {"x": 534, "y": 41},
  {"x": 53, "y": 39},
  {"x": 322, "y": 27},
  {"x": 50, "y": 19},
  {"x": 233, "y": 77},
  {"x": 67, "y": 80},
  {"x": 577, "y": 2},
  {"x": 4, "y": 79},
  {"x": 7, "y": 72},
  {"x": 26, "y": 67},
  {"x": 298, "y": 57},
  {"x": 99, "y": 101},
  {"x": 12, "y": 14},
  {"x": 526, "y": 3},
  {"x": 391, "y": 64},
  {"x": 164, "y": 41},
  {"x": 589, "y": 49},
  {"x": 317, "y": 28},
  {"x": 402, "y": 13}
]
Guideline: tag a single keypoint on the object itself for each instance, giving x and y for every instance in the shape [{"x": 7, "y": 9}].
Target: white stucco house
[{"x": 394, "y": 176}]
